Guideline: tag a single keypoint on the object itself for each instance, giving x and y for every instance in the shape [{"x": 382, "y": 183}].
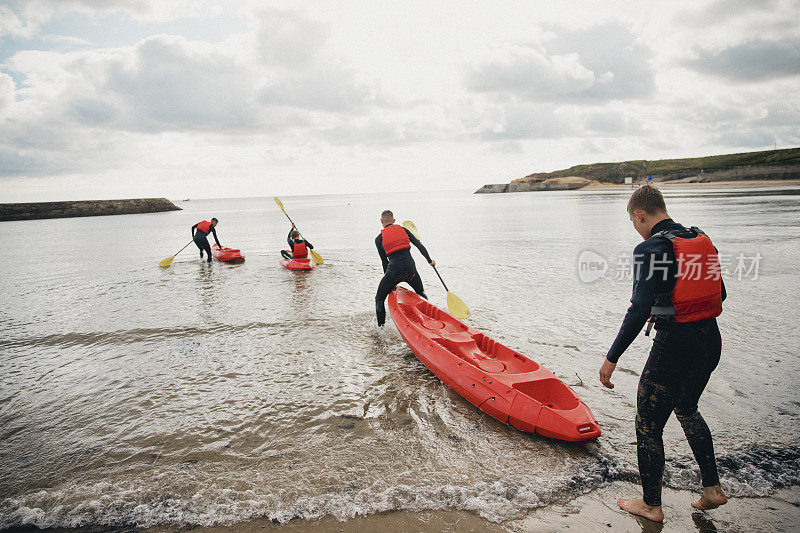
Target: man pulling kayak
[
  {"x": 677, "y": 284},
  {"x": 394, "y": 247},
  {"x": 299, "y": 247},
  {"x": 200, "y": 236}
]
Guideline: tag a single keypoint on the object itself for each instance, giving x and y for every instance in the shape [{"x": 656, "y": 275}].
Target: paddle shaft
[
  {"x": 182, "y": 249},
  {"x": 290, "y": 220},
  {"x": 440, "y": 279}
]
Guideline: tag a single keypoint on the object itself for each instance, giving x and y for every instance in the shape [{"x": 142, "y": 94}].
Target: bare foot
[
  {"x": 639, "y": 508},
  {"x": 711, "y": 498}
]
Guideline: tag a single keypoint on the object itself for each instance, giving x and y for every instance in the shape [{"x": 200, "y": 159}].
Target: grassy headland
[{"x": 670, "y": 169}]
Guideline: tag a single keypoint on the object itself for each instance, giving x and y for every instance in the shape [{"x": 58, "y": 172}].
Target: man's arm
[
  {"x": 192, "y": 230},
  {"x": 215, "y": 236},
  {"x": 381, "y": 251},
  {"x": 418, "y": 244},
  {"x": 289, "y": 239},
  {"x": 308, "y": 244},
  {"x": 644, "y": 288}
]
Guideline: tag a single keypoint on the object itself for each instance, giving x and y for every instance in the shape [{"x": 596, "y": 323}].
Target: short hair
[
  {"x": 387, "y": 214},
  {"x": 214, "y": 220},
  {"x": 648, "y": 199},
  {"x": 295, "y": 234}
]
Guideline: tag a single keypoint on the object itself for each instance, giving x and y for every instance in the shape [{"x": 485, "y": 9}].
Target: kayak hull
[
  {"x": 227, "y": 255},
  {"x": 298, "y": 264},
  {"x": 499, "y": 381}
]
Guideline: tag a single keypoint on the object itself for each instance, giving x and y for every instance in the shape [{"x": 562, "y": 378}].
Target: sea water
[{"x": 215, "y": 393}]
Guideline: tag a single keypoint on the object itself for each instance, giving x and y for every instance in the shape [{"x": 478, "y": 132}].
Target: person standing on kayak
[
  {"x": 200, "y": 236},
  {"x": 299, "y": 247},
  {"x": 394, "y": 247},
  {"x": 678, "y": 286}
]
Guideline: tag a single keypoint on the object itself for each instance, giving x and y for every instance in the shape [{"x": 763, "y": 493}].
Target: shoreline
[{"x": 594, "y": 511}]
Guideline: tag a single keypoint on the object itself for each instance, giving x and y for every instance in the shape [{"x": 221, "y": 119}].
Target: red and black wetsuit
[
  {"x": 684, "y": 353},
  {"x": 398, "y": 265},
  {"x": 200, "y": 237}
]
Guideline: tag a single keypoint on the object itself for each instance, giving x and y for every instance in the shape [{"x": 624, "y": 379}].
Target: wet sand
[{"x": 596, "y": 511}]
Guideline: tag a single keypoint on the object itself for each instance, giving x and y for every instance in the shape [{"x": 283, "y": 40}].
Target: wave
[{"x": 747, "y": 473}]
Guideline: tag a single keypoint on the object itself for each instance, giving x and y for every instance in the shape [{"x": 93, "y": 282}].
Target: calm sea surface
[{"x": 211, "y": 394}]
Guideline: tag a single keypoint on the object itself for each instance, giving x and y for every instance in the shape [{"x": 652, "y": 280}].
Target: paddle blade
[
  {"x": 456, "y": 307},
  {"x": 280, "y": 204},
  {"x": 410, "y": 226},
  {"x": 317, "y": 258},
  {"x": 166, "y": 262}
]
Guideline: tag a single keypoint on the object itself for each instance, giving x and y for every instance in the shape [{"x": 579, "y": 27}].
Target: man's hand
[
  {"x": 433, "y": 263},
  {"x": 605, "y": 373},
  {"x": 293, "y": 226}
]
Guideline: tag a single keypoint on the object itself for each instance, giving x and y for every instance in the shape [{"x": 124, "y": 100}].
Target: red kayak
[
  {"x": 499, "y": 381},
  {"x": 227, "y": 255},
  {"x": 307, "y": 263}
]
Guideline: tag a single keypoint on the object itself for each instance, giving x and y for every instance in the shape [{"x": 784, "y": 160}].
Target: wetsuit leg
[
  {"x": 707, "y": 344},
  {"x": 416, "y": 283},
  {"x": 199, "y": 246},
  {"x": 202, "y": 243},
  {"x": 388, "y": 283},
  {"x": 673, "y": 378},
  {"x": 654, "y": 404}
]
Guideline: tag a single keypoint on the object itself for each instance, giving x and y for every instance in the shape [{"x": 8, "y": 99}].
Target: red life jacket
[
  {"x": 299, "y": 250},
  {"x": 698, "y": 289},
  {"x": 394, "y": 238},
  {"x": 204, "y": 226}
]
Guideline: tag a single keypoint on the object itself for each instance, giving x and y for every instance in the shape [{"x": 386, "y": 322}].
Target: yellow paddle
[
  {"x": 317, "y": 258},
  {"x": 455, "y": 305},
  {"x": 168, "y": 261}
]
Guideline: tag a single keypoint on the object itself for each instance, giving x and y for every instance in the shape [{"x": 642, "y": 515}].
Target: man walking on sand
[{"x": 677, "y": 284}]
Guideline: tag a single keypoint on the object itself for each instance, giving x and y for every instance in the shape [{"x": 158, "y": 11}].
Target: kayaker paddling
[
  {"x": 299, "y": 247},
  {"x": 394, "y": 247},
  {"x": 200, "y": 236},
  {"x": 677, "y": 285}
]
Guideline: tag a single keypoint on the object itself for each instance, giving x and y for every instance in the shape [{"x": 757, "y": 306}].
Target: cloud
[
  {"x": 290, "y": 40},
  {"x": 7, "y": 90},
  {"x": 530, "y": 73},
  {"x": 529, "y": 121},
  {"x": 600, "y": 63},
  {"x": 610, "y": 122},
  {"x": 332, "y": 88},
  {"x": 781, "y": 114},
  {"x": 721, "y": 11},
  {"x": 752, "y": 61},
  {"x": 169, "y": 83},
  {"x": 749, "y": 138}
]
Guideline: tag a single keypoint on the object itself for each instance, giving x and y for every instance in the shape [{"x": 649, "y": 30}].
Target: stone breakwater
[{"x": 84, "y": 208}]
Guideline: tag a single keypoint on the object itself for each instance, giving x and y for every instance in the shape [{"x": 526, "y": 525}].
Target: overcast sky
[{"x": 133, "y": 98}]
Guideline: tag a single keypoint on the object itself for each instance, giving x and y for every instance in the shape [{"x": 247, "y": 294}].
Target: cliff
[
  {"x": 768, "y": 164},
  {"x": 84, "y": 208},
  {"x": 568, "y": 183}
]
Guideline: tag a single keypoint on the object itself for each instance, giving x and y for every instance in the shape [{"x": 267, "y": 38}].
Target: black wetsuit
[
  {"x": 398, "y": 266},
  {"x": 201, "y": 240},
  {"x": 288, "y": 255},
  {"x": 678, "y": 368}
]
